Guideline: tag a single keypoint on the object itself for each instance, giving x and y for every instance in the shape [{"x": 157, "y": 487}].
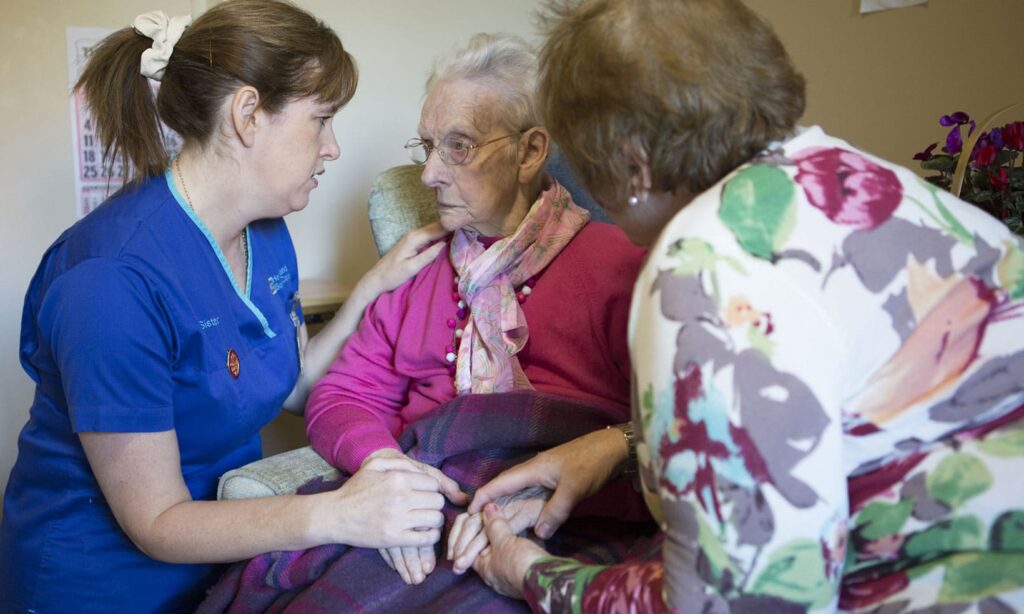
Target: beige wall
[{"x": 880, "y": 81}]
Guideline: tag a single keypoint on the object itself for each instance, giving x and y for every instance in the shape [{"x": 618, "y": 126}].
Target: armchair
[{"x": 398, "y": 202}]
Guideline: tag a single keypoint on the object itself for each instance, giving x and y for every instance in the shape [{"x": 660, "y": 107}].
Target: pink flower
[
  {"x": 847, "y": 187},
  {"x": 1001, "y": 181},
  {"x": 986, "y": 155},
  {"x": 1013, "y": 135}
]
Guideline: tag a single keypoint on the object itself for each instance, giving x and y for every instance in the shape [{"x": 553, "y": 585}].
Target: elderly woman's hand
[
  {"x": 504, "y": 563},
  {"x": 467, "y": 539},
  {"x": 414, "y": 562},
  {"x": 574, "y": 471}
]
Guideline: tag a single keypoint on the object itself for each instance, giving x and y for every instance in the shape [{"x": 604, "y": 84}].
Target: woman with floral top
[{"x": 828, "y": 352}]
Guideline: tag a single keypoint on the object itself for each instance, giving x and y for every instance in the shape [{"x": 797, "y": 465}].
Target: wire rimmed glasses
[{"x": 453, "y": 150}]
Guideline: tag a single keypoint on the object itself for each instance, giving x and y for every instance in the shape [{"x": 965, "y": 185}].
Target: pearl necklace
[
  {"x": 188, "y": 200},
  {"x": 462, "y": 313}
]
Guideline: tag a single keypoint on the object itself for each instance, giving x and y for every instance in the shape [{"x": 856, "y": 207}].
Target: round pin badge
[{"x": 234, "y": 367}]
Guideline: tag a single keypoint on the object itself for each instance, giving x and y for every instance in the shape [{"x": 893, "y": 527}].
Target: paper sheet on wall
[
  {"x": 871, "y": 6},
  {"x": 95, "y": 179}
]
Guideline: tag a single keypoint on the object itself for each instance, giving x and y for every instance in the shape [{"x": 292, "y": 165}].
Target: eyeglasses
[{"x": 453, "y": 150}]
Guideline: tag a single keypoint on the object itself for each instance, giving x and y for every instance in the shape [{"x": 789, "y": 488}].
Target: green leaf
[
  {"x": 693, "y": 256},
  {"x": 1004, "y": 156},
  {"x": 956, "y": 534},
  {"x": 922, "y": 570},
  {"x": 710, "y": 544},
  {"x": 1011, "y": 271},
  {"x": 879, "y": 519},
  {"x": 942, "y": 163},
  {"x": 955, "y": 226},
  {"x": 760, "y": 341},
  {"x": 957, "y": 478},
  {"x": 796, "y": 572},
  {"x": 975, "y": 576},
  {"x": 552, "y": 569},
  {"x": 758, "y": 207},
  {"x": 647, "y": 406},
  {"x": 1007, "y": 532},
  {"x": 1004, "y": 444}
]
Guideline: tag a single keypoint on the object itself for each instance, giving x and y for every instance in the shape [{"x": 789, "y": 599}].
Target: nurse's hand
[
  {"x": 413, "y": 563},
  {"x": 396, "y": 460},
  {"x": 415, "y": 250},
  {"x": 384, "y": 504}
]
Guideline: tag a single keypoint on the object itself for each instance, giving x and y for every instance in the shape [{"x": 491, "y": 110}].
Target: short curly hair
[{"x": 700, "y": 85}]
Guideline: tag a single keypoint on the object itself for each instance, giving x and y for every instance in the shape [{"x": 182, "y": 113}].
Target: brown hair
[
  {"x": 282, "y": 51},
  {"x": 700, "y": 85}
]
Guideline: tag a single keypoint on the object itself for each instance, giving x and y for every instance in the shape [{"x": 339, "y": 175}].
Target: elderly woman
[
  {"x": 828, "y": 351},
  {"x": 528, "y": 295}
]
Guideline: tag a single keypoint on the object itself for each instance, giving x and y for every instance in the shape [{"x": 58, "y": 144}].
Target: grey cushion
[
  {"x": 398, "y": 203},
  {"x": 280, "y": 474}
]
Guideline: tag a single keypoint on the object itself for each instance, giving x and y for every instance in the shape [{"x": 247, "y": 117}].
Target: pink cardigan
[{"x": 392, "y": 371}]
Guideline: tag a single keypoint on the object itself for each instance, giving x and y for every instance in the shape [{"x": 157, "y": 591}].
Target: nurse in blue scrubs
[{"x": 164, "y": 329}]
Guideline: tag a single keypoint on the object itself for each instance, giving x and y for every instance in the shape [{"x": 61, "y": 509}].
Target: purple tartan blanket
[{"x": 472, "y": 439}]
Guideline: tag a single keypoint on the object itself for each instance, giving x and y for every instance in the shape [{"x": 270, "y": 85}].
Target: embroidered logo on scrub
[
  {"x": 279, "y": 279},
  {"x": 210, "y": 323},
  {"x": 234, "y": 367}
]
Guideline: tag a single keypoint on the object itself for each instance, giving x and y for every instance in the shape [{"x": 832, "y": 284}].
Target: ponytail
[
  {"x": 281, "y": 50},
  {"x": 123, "y": 105}
]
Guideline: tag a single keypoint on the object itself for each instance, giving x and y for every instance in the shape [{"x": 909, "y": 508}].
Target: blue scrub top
[{"x": 128, "y": 326}]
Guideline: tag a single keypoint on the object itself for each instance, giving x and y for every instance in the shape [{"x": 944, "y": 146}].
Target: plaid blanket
[{"x": 471, "y": 438}]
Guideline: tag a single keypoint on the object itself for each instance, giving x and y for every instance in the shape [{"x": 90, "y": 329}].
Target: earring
[{"x": 633, "y": 201}]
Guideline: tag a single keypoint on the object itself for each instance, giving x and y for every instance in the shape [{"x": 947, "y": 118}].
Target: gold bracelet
[{"x": 629, "y": 467}]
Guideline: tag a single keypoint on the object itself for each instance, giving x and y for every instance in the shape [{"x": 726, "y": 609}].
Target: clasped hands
[
  {"x": 413, "y": 521},
  {"x": 540, "y": 493}
]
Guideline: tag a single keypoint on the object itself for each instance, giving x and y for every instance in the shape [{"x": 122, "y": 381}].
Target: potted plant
[{"x": 992, "y": 178}]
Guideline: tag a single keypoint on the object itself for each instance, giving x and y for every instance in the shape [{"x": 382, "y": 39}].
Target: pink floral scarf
[{"x": 497, "y": 329}]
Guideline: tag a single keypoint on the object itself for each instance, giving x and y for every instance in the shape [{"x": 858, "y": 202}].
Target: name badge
[{"x": 234, "y": 367}]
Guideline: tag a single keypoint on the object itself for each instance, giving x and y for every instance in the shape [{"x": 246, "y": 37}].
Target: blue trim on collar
[{"x": 244, "y": 296}]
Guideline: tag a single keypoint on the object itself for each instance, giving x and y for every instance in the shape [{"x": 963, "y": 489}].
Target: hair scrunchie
[{"x": 165, "y": 32}]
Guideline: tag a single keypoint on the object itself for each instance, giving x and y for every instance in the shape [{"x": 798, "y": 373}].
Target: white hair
[{"x": 505, "y": 64}]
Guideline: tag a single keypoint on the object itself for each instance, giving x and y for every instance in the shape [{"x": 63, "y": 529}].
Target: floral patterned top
[{"x": 829, "y": 372}]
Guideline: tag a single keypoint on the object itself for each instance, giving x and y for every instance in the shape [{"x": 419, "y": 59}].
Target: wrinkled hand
[
  {"x": 504, "y": 563},
  {"x": 574, "y": 471},
  {"x": 414, "y": 562},
  {"x": 415, "y": 250},
  {"x": 467, "y": 539}
]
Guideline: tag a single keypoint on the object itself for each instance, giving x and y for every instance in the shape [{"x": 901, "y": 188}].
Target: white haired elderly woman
[{"x": 529, "y": 293}]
